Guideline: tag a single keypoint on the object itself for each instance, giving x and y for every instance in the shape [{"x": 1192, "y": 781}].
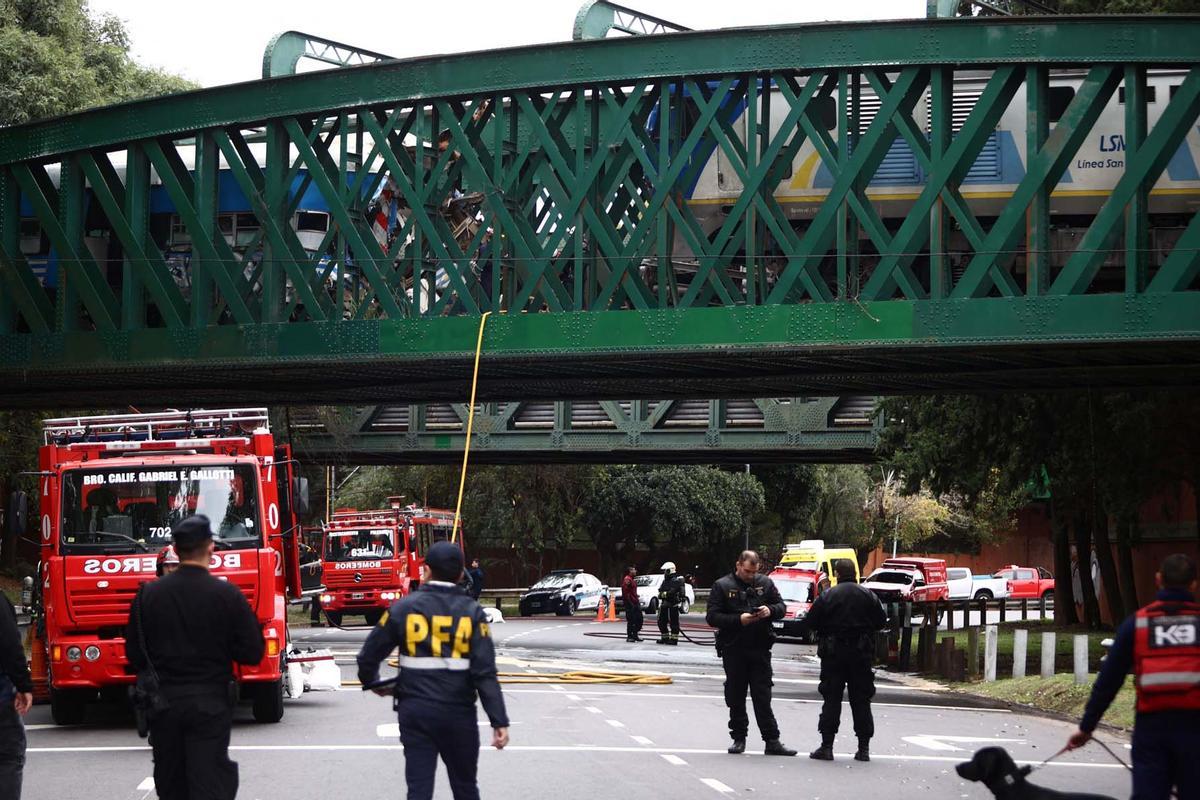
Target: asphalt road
[{"x": 576, "y": 742}]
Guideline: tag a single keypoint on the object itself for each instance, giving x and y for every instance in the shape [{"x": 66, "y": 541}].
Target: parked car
[
  {"x": 563, "y": 592},
  {"x": 917, "y": 580},
  {"x": 964, "y": 585},
  {"x": 1028, "y": 583},
  {"x": 799, "y": 589},
  {"x": 647, "y": 589},
  {"x": 812, "y": 554}
]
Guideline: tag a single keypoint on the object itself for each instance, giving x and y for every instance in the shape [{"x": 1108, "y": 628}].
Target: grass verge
[{"x": 1059, "y": 695}]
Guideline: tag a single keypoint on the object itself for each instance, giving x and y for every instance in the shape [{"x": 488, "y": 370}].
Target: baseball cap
[
  {"x": 191, "y": 531},
  {"x": 445, "y": 558}
]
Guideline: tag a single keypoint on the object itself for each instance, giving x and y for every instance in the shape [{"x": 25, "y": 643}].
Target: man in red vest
[{"x": 1161, "y": 644}]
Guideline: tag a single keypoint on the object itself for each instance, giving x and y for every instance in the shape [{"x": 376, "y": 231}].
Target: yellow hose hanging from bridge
[{"x": 462, "y": 478}]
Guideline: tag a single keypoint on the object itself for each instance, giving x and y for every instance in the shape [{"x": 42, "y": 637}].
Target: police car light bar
[{"x": 161, "y": 425}]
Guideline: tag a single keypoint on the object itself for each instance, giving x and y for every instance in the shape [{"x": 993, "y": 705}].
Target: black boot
[
  {"x": 776, "y": 748},
  {"x": 737, "y": 748},
  {"x": 864, "y": 750},
  {"x": 824, "y": 752}
]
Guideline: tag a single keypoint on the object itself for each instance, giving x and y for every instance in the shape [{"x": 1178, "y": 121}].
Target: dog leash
[
  {"x": 1048, "y": 760},
  {"x": 1107, "y": 749}
]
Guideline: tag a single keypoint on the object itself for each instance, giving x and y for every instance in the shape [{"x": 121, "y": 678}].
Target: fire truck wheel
[
  {"x": 268, "y": 702},
  {"x": 373, "y": 617},
  {"x": 67, "y": 707},
  {"x": 335, "y": 618}
]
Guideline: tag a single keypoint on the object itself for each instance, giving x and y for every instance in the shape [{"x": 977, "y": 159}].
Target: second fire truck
[{"x": 373, "y": 558}]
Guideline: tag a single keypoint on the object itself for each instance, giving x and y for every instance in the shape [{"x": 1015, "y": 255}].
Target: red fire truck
[
  {"x": 110, "y": 489},
  {"x": 373, "y": 558}
]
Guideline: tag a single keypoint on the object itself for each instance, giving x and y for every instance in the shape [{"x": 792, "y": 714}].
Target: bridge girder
[
  {"x": 586, "y": 205},
  {"x": 794, "y": 429}
]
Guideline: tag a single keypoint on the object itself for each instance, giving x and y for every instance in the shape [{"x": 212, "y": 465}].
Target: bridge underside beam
[
  {"x": 769, "y": 351},
  {"x": 795, "y": 429}
]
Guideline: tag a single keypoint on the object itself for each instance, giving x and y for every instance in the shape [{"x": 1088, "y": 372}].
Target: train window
[
  {"x": 245, "y": 221},
  {"x": 30, "y": 228},
  {"x": 1151, "y": 94},
  {"x": 826, "y": 114},
  {"x": 312, "y": 221},
  {"x": 179, "y": 231},
  {"x": 1057, "y": 101},
  {"x": 225, "y": 223}
]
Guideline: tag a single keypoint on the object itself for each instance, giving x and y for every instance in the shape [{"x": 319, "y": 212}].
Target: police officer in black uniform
[
  {"x": 446, "y": 657},
  {"x": 845, "y": 620},
  {"x": 741, "y": 607},
  {"x": 670, "y": 595},
  {"x": 194, "y": 627}
]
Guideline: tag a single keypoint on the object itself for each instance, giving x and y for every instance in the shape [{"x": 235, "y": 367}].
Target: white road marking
[
  {"x": 874, "y": 704},
  {"x": 388, "y": 730},
  {"x": 673, "y": 759},
  {"x": 641, "y": 740},
  {"x": 540, "y": 749},
  {"x": 615, "y": 723},
  {"x": 49, "y": 727},
  {"x": 574, "y": 698},
  {"x": 592, "y": 709},
  {"x": 940, "y": 743},
  {"x": 713, "y": 783},
  {"x": 146, "y": 785}
]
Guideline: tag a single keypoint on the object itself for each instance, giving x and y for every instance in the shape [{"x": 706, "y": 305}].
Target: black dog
[{"x": 995, "y": 769}]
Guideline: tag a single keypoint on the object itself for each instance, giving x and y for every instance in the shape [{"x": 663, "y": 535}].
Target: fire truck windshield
[
  {"x": 132, "y": 509},
  {"x": 353, "y": 545}
]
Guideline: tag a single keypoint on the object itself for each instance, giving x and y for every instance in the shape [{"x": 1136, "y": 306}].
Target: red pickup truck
[{"x": 1027, "y": 583}]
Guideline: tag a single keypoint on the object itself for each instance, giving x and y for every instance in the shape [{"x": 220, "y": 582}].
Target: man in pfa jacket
[{"x": 446, "y": 657}]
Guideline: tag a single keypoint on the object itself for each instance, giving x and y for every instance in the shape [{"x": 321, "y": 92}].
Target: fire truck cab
[
  {"x": 373, "y": 558},
  {"x": 110, "y": 488}
]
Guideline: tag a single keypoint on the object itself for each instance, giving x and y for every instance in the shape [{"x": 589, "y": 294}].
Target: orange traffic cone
[
  {"x": 600, "y": 611},
  {"x": 612, "y": 609}
]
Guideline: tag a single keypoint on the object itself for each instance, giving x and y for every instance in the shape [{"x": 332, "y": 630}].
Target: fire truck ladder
[{"x": 173, "y": 425}]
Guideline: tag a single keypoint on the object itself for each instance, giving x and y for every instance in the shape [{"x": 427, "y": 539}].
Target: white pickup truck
[{"x": 964, "y": 585}]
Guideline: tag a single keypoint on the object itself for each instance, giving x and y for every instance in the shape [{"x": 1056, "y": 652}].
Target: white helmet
[{"x": 669, "y": 566}]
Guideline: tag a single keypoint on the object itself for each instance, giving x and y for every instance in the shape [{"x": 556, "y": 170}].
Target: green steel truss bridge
[
  {"x": 607, "y": 271},
  {"x": 791, "y": 429}
]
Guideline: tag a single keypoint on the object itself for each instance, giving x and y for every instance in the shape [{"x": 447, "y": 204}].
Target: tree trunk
[
  {"x": 9, "y": 547},
  {"x": 1083, "y": 547},
  {"x": 1126, "y": 535},
  {"x": 1108, "y": 568},
  {"x": 1064, "y": 600}
]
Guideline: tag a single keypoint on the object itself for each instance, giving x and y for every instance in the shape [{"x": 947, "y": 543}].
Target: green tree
[
  {"x": 671, "y": 509},
  {"x": 59, "y": 58}
]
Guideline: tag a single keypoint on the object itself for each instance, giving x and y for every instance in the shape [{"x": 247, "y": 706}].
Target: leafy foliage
[{"x": 58, "y": 58}]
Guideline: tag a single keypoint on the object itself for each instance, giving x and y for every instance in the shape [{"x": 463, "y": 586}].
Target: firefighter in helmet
[
  {"x": 670, "y": 597},
  {"x": 1161, "y": 644},
  {"x": 168, "y": 561}
]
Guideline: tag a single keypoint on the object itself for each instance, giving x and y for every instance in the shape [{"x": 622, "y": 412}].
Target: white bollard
[
  {"x": 1081, "y": 658},
  {"x": 1020, "y": 639},
  {"x": 1049, "y": 647},
  {"x": 990, "y": 641}
]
